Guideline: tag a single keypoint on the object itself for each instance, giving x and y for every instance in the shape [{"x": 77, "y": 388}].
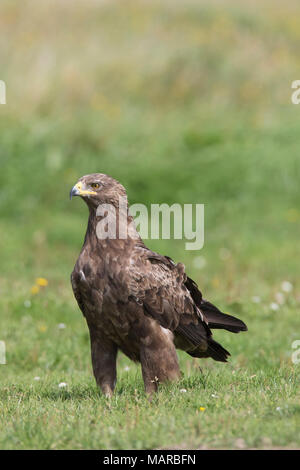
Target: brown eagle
[{"x": 137, "y": 300}]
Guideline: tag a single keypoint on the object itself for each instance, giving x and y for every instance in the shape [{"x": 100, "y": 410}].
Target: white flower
[
  {"x": 27, "y": 303},
  {"x": 286, "y": 286},
  {"x": 61, "y": 326},
  {"x": 182, "y": 390},
  {"x": 199, "y": 262},
  {"x": 279, "y": 297},
  {"x": 126, "y": 368},
  {"x": 37, "y": 378},
  {"x": 62, "y": 385},
  {"x": 256, "y": 299},
  {"x": 274, "y": 306},
  {"x": 214, "y": 395},
  {"x": 278, "y": 408}
]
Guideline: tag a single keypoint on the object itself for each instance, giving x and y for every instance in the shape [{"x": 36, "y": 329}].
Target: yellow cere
[{"x": 84, "y": 192}]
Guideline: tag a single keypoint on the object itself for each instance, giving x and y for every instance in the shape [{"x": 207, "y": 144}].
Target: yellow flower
[
  {"x": 202, "y": 408},
  {"x": 41, "y": 281},
  {"x": 34, "y": 290},
  {"x": 42, "y": 328}
]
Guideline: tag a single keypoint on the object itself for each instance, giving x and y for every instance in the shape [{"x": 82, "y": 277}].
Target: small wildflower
[
  {"x": 61, "y": 326},
  {"x": 182, "y": 390},
  {"x": 42, "y": 328},
  {"x": 201, "y": 408},
  {"x": 256, "y": 299},
  {"x": 278, "y": 408},
  {"x": 27, "y": 304},
  {"x": 62, "y": 385},
  {"x": 286, "y": 286},
  {"x": 279, "y": 297},
  {"x": 199, "y": 262},
  {"x": 34, "y": 290},
  {"x": 214, "y": 395},
  {"x": 126, "y": 368},
  {"x": 274, "y": 306},
  {"x": 41, "y": 281},
  {"x": 36, "y": 378},
  {"x": 156, "y": 380}
]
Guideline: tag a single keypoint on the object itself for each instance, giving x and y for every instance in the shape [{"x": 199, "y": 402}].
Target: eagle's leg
[
  {"x": 104, "y": 361},
  {"x": 159, "y": 361}
]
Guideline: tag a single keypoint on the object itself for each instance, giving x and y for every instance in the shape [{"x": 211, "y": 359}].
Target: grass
[{"x": 182, "y": 103}]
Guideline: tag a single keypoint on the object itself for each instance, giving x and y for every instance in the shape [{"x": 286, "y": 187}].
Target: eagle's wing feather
[
  {"x": 160, "y": 287},
  {"x": 176, "y": 303}
]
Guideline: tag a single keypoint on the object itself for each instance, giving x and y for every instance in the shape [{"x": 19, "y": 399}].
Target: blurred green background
[
  {"x": 186, "y": 102},
  {"x": 180, "y": 102}
]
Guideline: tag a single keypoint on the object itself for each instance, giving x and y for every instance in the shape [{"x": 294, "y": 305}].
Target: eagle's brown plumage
[{"x": 138, "y": 301}]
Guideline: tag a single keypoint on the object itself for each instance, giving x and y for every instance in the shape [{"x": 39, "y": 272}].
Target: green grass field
[{"x": 186, "y": 102}]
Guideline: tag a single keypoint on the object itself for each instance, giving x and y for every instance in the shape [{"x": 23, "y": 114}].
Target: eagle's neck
[{"x": 108, "y": 231}]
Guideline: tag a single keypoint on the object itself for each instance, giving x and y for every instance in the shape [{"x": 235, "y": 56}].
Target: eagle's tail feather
[
  {"x": 215, "y": 318},
  {"x": 219, "y": 320},
  {"x": 204, "y": 346},
  {"x": 214, "y": 350}
]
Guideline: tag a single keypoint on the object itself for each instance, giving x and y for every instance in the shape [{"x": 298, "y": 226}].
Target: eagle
[{"x": 136, "y": 300}]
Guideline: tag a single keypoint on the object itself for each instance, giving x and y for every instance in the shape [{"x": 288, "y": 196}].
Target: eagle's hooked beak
[
  {"x": 74, "y": 192},
  {"x": 80, "y": 190}
]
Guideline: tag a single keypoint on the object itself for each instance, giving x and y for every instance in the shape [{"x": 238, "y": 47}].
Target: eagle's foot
[{"x": 107, "y": 391}]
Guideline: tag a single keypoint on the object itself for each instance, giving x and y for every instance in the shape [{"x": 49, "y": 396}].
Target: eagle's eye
[{"x": 95, "y": 185}]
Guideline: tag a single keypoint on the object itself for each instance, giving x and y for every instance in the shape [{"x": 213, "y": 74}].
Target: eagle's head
[{"x": 98, "y": 188}]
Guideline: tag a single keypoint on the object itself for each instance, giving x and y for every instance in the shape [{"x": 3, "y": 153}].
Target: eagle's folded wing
[{"x": 158, "y": 285}]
